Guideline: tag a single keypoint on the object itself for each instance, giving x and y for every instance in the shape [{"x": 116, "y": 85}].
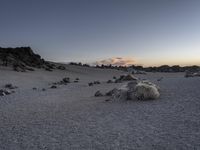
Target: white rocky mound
[
  {"x": 142, "y": 90},
  {"x": 146, "y": 91}
]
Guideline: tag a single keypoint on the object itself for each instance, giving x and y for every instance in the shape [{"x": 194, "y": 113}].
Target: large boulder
[
  {"x": 146, "y": 91},
  {"x": 143, "y": 90}
]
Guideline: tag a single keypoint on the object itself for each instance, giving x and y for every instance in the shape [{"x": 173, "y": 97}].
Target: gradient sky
[{"x": 146, "y": 32}]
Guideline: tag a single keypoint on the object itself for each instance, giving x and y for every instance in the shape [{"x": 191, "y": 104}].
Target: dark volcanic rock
[
  {"x": 98, "y": 94},
  {"x": 96, "y": 82},
  {"x": 22, "y": 59},
  {"x": 10, "y": 86},
  {"x": 111, "y": 92},
  {"x": 109, "y": 81},
  {"x": 66, "y": 80},
  {"x": 4, "y": 92},
  {"x": 53, "y": 87},
  {"x": 90, "y": 84}
]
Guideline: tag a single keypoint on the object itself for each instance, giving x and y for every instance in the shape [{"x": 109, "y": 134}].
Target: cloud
[{"x": 117, "y": 61}]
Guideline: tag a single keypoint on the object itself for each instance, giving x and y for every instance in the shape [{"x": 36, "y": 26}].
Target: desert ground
[{"x": 70, "y": 117}]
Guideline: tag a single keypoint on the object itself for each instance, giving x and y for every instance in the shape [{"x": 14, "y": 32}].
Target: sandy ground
[{"x": 70, "y": 117}]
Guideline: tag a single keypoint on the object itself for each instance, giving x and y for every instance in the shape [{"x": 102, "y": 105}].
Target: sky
[{"x": 141, "y": 32}]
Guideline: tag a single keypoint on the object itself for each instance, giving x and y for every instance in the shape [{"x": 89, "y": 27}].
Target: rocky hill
[{"x": 23, "y": 59}]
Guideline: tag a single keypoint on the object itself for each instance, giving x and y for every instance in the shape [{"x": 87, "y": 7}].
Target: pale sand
[{"x": 70, "y": 117}]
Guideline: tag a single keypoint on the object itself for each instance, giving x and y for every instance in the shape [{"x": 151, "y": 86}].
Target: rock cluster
[
  {"x": 64, "y": 81},
  {"x": 4, "y": 92},
  {"x": 7, "y": 89},
  {"x": 192, "y": 74},
  {"x": 92, "y": 83},
  {"x": 134, "y": 90}
]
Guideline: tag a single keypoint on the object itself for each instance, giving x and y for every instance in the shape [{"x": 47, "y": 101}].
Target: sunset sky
[{"x": 144, "y": 32}]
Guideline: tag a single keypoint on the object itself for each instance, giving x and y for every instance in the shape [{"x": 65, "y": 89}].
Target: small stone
[
  {"x": 98, "y": 94},
  {"x": 109, "y": 81},
  {"x": 90, "y": 84},
  {"x": 7, "y": 92},
  {"x": 48, "y": 69},
  {"x": 160, "y": 79},
  {"x": 111, "y": 92},
  {"x": 2, "y": 93},
  {"x": 53, "y": 87},
  {"x": 66, "y": 80},
  {"x": 61, "y": 67},
  {"x": 10, "y": 86},
  {"x": 97, "y": 82}
]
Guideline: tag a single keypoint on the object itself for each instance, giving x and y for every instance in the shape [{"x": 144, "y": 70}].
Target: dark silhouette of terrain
[{"x": 23, "y": 58}]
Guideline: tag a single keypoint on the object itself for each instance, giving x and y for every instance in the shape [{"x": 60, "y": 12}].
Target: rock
[
  {"x": 98, "y": 94},
  {"x": 189, "y": 74},
  {"x": 97, "y": 82},
  {"x": 7, "y": 92},
  {"x": 48, "y": 69},
  {"x": 2, "y": 93},
  {"x": 131, "y": 90},
  {"x": 53, "y": 87},
  {"x": 77, "y": 79},
  {"x": 196, "y": 74},
  {"x": 109, "y": 81},
  {"x": 29, "y": 69},
  {"x": 114, "y": 77},
  {"x": 131, "y": 85},
  {"x": 34, "y": 88},
  {"x": 192, "y": 74},
  {"x": 90, "y": 84},
  {"x": 128, "y": 77},
  {"x": 10, "y": 86},
  {"x": 160, "y": 79},
  {"x": 66, "y": 80},
  {"x": 119, "y": 94},
  {"x": 61, "y": 67},
  {"x": 111, "y": 92},
  {"x": 146, "y": 91},
  {"x": 43, "y": 89}
]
